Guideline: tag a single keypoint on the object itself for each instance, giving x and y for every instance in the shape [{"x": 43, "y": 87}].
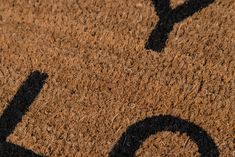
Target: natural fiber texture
[{"x": 102, "y": 79}]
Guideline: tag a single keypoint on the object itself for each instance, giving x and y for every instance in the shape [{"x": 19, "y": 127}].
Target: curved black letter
[{"x": 137, "y": 133}]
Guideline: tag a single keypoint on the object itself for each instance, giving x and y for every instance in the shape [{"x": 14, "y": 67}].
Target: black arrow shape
[
  {"x": 14, "y": 112},
  {"x": 168, "y": 17}
]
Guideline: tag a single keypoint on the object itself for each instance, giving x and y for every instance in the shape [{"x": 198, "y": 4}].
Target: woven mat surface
[{"x": 92, "y": 78}]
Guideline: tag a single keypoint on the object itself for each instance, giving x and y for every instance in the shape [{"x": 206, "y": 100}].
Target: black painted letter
[
  {"x": 168, "y": 17},
  {"x": 12, "y": 115},
  {"x": 137, "y": 133}
]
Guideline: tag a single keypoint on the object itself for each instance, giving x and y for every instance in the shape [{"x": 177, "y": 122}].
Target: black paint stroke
[
  {"x": 168, "y": 17},
  {"x": 137, "y": 133},
  {"x": 14, "y": 112},
  {"x": 12, "y": 150}
]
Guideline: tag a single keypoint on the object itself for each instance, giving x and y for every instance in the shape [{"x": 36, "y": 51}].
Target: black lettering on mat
[
  {"x": 137, "y": 133},
  {"x": 126, "y": 146},
  {"x": 168, "y": 17},
  {"x": 14, "y": 112}
]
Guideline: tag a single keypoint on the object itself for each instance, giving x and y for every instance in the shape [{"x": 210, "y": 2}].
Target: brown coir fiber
[{"x": 102, "y": 79}]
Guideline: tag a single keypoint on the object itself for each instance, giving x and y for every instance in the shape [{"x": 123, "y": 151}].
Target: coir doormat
[{"x": 117, "y": 78}]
